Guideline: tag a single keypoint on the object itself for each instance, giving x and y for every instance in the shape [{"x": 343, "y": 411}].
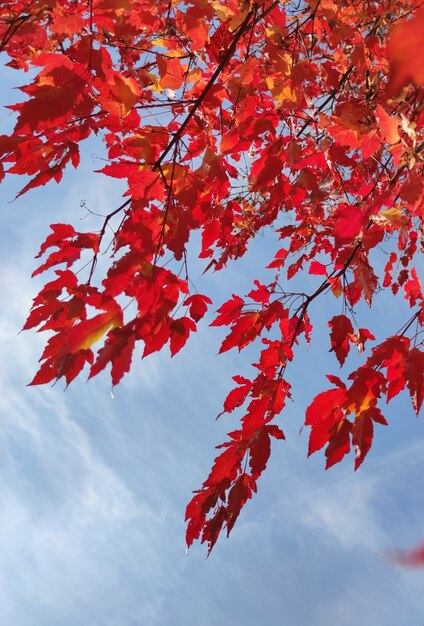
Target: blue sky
[{"x": 93, "y": 488}]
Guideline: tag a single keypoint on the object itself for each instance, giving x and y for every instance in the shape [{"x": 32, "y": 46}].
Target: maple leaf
[
  {"x": 362, "y": 436},
  {"x": 59, "y": 90},
  {"x": 341, "y": 331},
  {"x": 339, "y": 443},
  {"x": 229, "y": 312},
  {"x": 349, "y": 223},
  {"x": 127, "y": 93},
  {"x": 326, "y": 418},
  {"x": 414, "y": 375},
  {"x": 388, "y": 125},
  {"x": 179, "y": 333},
  {"x": 317, "y": 268},
  {"x": 237, "y": 396},
  {"x": 117, "y": 350},
  {"x": 198, "y": 305},
  {"x": 260, "y": 449},
  {"x": 243, "y": 331},
  {"x": 239, "y": 493}
]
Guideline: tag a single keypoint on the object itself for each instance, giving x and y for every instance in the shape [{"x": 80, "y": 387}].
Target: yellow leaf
[
  {"x": 281, "y": 90},
  {"x": 393, "y": 216},
  {"x": 127, "y": 92},
  {"x": 223, "y": 12}
]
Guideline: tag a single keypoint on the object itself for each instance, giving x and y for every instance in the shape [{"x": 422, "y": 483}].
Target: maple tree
[{"x": 303, "y": 116}]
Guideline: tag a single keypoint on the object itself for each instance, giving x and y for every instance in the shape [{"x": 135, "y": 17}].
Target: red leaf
[
  {"x": 279, "y": 259},
  {"x": 118, "y": 349},
  {"x": 53, "y": 103},
  {"x": 179, "y": 332},
  {"x": 45, "y": 374},
  {"x": 60, "y": 232},
  {"x": 413, "y": 289},
  {"x": 243, "y": 332},
  {"x": 341, "y": 329},
  {"x": 326, "y": 418},
  {"x": 323, "y": 405},
  {"x": 414, "y": 375},
  {"x": 349, "y": 223},
  {"x": 336, "y": 381},
  {"x": 171, "y": 72},
  {"x": 261, "y": 294},
  {"x": 237, "y": 396},
  {"x": 225, "y": 467},
  {"x": 260, "y": 449},
  {"x": 388, "y": 126},
  {"x": 196, "y": 512},
  {"x": 360, "y": 337},
  {"x": 362, "y": 435},
  {"x": 237, "y": 497},
  {"x": 392, "y": 355},
  {"x": 213, "y": 527},
  {"x": 198, "y": 305},
  {"x": 275, "y": 431},
  {"x": 339, "y": 444},
  {"x": 317, "y": 268},
  {"x": 229, "y": 312}
]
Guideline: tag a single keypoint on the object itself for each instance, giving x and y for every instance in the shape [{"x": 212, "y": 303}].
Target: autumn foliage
[{"x": 228, "y": 117}]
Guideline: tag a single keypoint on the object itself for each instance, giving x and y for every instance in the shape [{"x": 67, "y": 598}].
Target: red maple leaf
[{"x": 341, "y": 332}]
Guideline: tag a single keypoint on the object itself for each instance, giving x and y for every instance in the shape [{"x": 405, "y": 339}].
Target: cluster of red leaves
[{"x": 228, "y": 117}]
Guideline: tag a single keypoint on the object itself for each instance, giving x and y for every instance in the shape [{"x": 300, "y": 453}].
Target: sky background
[{"x": 93, "y": 489}]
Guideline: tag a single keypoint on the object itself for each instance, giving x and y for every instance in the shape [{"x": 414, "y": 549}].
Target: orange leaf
[{"x": 388, "y": 126}]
